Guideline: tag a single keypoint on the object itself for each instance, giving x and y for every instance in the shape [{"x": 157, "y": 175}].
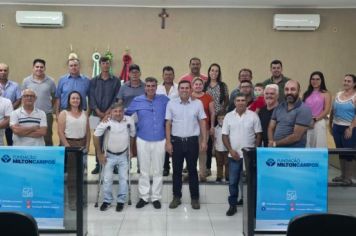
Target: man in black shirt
[{"x": 271, "y": 99}]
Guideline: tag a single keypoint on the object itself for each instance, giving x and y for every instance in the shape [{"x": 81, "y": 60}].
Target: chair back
[
  {"x": 17, "y": 223},
  {"x": 326, "y": 224}
]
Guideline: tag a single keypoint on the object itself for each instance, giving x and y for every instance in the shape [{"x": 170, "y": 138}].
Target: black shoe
[
  {"x": 96, "y": 170},
  {"x": 219, "y": 180},
  {"x": 138, "y": 171},
  {"x": 105, "y": 206},
  {"x": 116, "y": 170},
  {"x": 232, "y": 210},
  {"x": 156, "y": 204},
  {"x": 141, "y": 203},
  {"x": 165, "y": 172},
  {"x": 119, "y": 206},
  {"x": 240, "y": 202},
  {"x": 195, "y": 204},
  {"x": 175, "y": 203}
]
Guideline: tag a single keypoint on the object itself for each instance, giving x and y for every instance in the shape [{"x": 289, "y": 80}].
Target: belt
[
  {"x": 75, "y": 139},
  {"x": 116, "y": 153},
  {"x": 186, "y": 139}
]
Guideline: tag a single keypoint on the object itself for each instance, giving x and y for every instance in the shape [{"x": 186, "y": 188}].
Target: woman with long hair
[
  {"x": 73, "y": 131},
  {"x": 208, "y": 104},
  {"x": 216, "y": 88},
  {"x": 342, "y": 124},
  {"x": 318, "y": 99}
]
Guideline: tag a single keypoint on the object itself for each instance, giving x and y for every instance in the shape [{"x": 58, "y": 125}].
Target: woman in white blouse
[{"x": 73, "y": 131}]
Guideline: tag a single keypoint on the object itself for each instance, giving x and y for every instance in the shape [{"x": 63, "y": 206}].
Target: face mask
[
  {"x": 220, "y": 122},
  {"x": 257, "y": 93}
]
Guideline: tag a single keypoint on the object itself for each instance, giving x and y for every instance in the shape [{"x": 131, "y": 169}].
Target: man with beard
[
  {"x": 290, "y": 120},
  {"x": 277, "y": 78}
]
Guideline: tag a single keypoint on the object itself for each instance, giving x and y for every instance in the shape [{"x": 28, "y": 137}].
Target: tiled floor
[
  {"x": 184, "y": 221},
  {"x": 209, "y": 220}
]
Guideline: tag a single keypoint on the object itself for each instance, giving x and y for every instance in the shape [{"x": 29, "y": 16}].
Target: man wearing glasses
[{"x": 28, "y": 123}]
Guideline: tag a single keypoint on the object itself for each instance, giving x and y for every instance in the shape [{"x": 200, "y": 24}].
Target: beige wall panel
[{"x": 234, "y": 38}]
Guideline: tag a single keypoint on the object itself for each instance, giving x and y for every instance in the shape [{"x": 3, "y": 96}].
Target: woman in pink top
[{"x": 318, "y": 99}]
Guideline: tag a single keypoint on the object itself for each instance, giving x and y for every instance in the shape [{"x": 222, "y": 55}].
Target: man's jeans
[
  {"x": 122, "y": 164},
  {"x": 235, "y": 168}
]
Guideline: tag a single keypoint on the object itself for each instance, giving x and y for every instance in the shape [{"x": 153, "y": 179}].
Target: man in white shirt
[
  {"x": 120, "y": 131},
  {"x": 241, "y": 128},
  {"x": 5, "y": 112},
  {"x": 170, "y": 89}
]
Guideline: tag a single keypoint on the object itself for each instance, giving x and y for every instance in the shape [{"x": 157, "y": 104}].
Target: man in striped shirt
[{"x": 28, "y": 123}]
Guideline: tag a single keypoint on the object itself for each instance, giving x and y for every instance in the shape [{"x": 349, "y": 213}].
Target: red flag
[{"x": 127, "y": 61}]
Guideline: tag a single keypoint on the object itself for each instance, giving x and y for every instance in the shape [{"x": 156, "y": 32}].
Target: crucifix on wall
[{"x": 163, "y": 15}]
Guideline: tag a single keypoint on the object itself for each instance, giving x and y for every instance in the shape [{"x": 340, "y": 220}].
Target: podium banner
[
  {"x": 32, "y": 181},
  {"x": 290, "y": 182}
]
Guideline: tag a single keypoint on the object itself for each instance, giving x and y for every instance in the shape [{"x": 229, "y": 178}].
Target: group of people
[{"x": 191, "y": 121}]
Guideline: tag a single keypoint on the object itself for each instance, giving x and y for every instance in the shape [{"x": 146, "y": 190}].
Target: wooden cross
[{"x": 163, "y": 15}]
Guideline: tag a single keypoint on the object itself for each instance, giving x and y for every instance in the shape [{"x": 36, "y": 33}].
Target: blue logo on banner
[
  {"x": 270, "y": 162},
  {"x": 290, "y": 182},
  {"x": 6, "y": 158},
  {"x": 34, "y": 183}
]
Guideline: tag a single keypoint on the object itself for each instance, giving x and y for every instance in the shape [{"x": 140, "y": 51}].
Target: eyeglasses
[{"x": 28, "y": 96}]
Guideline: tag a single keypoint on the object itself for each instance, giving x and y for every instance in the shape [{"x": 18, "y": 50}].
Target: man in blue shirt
[
  {"x": 73, "y": 81},
  {"x": 150, "y": 109},
  {"x": 10, "y": 90}
]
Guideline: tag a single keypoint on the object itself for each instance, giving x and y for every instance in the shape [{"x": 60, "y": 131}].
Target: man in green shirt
[{"x": 277, "y": 78}]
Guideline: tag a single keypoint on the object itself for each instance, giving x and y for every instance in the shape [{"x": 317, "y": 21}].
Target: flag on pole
[
  {"x": 127, "y": 61},
  {"x": 96, "y": 67}
]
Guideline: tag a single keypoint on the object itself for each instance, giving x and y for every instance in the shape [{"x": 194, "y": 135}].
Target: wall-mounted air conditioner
[
  {"x": 296, "y": 21},
  {"x": 39, "y": 18}
]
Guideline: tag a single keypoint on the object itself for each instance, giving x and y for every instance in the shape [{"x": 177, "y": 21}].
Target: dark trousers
[
  {"x": 72, "y": 170},
  {"x": 48, "y": 137},
  {"x": 209, "y": 153},
  {"x": 188, "y": 149},
  {"x": 166, "y": 162},
  {"x": 8, "y": 135}
]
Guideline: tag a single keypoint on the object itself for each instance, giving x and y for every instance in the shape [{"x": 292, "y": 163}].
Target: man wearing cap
[
  {"x": 131, "y": 89},
  {"x": 45, "y": 89},
  {"x": 194, "y": 66},
  {"x": 10, "y": 90},
  {"x": 103, "y": 90},
  {"x": 134, "y": 87},
  {"x": 28, "y": 123}
]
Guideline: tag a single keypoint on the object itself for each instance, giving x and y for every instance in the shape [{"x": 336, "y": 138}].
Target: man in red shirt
[{"x": 194, "y": 65}]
